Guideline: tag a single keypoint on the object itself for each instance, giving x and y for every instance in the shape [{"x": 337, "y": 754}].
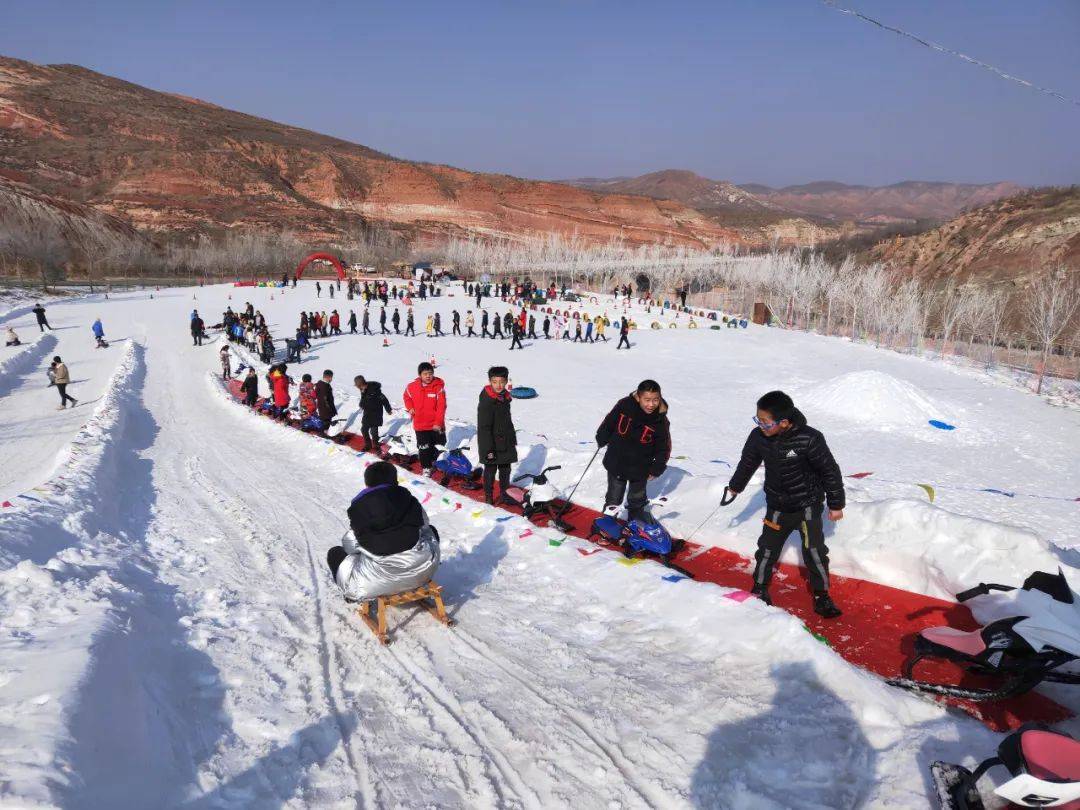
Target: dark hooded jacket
[
  {"x": 373, "y": 402},
  {"x": 638, "y": 443},
  {"x": 386, "y": 519},
  {"x": 800, "y": 471},
  {"x": 324, "y": 399},
  {"x": 495, "y": 432}
]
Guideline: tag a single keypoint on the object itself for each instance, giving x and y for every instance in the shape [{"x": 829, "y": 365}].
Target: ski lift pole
[
  {"x": 724, "y": 501},
  {"x": 570, "y": 497}
]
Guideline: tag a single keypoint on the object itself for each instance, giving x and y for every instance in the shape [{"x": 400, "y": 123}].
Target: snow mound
[{"x": 870, "y": 397}]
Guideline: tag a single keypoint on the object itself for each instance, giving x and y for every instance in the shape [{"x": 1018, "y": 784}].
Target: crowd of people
[
  {"x": 520, "y": 322},
  {"x": 801, "y": 476}
]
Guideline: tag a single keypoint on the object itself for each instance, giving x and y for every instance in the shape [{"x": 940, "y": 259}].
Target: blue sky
[{"x": 769, "y": 91}]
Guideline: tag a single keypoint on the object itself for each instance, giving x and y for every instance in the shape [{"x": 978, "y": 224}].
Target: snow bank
[
  {"x": 926, "y": 549},
  {"x": 871, "y": 398},
  {"x": 58, "y": 551},
  {"x": 25, "y": 359}
]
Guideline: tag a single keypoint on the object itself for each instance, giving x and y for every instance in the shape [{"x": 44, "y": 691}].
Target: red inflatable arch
[{"x": 326, "y": 257}]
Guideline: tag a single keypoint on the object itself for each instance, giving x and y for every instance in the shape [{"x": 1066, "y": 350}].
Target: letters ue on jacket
[
  {"x": 427, "y": 403},
  {"x": 638, "y": 443},
  {"x": 392, "y": 546}
]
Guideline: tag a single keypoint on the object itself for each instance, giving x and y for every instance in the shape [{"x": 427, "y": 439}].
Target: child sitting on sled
[{"x": 393, "y": 547}]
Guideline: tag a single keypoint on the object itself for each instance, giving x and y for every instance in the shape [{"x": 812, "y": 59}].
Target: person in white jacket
[{"x": 393, "y": 547}]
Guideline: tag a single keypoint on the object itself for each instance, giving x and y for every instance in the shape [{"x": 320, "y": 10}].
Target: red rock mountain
[{"x": 162, "y": 161}]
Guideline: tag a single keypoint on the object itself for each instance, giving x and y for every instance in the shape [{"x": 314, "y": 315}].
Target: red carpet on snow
[{"x": 875, "y": 632}]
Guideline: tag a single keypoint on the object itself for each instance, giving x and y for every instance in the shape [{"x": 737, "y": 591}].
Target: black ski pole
[
  {"x": 724, "y": 501},
  {"x": 570, "y": 497}
]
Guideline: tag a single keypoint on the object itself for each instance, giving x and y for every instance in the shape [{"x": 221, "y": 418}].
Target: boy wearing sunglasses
[{"x": 801, "y": 477}]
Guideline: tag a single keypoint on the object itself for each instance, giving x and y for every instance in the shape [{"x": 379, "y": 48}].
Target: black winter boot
[{"x": 824, "y": 605}]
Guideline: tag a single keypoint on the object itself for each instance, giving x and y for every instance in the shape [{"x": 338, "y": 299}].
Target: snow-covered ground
[{"x": 170, "y": 636}]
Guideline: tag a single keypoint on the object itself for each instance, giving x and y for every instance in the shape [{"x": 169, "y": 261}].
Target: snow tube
[
  {"x": 673, "y": 326},
  {"x": 715, "y": 326},
  {"x": 243, "y": 283},
  {"x": 523, "y": 392},
  {"x": 692, "y": 325},
  {"x": 656, "y": 325},
  {"x": 712, "y": 316},
  {"x": 941, "y": 425}
]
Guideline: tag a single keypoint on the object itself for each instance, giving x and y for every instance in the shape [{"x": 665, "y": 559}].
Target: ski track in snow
[{"x": 173, "y": 639}]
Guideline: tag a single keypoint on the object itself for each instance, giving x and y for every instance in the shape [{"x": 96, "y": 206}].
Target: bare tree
[
  {"x": 952, "y": 302},
  {"x": 1052, "y": 303}
]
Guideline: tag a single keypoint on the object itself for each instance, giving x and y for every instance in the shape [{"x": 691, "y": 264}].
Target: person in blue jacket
[{"x": 99, "y": 333}]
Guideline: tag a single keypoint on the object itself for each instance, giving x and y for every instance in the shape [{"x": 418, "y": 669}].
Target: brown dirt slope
[
  {"x": 163, "y": 161},
  {"x": 1006, "y": 240}
]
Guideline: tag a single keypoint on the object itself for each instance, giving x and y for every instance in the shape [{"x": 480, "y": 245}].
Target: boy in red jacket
[{"x": 425, "y": 400}]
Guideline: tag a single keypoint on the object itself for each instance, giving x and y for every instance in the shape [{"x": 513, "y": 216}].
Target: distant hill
[
  {"x": 727, "y": 204},
  {"x": 879, "y": 205},
  {"x": 1004, "y": 240}
]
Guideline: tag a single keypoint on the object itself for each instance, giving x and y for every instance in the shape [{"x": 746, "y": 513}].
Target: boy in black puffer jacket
[
  {"x": 372, "y": 404},
  {"x": 638, "y": 439},
  {"x": 496, "y": 438},
  {"x": 801, "y": 476}
]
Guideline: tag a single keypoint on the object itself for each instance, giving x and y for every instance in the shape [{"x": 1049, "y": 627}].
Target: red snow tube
[{"x": 877, "y": 629}]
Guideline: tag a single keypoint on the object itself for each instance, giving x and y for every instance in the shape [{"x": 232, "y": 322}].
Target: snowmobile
[
  {"x": 455, "y": 464},
  {"x": 637, "y": 536},
  {"x": 313, "y": 424},
  {"x": 402, "y": 447},
  {"x": 1045, "y": 769},
  {"x": 538, "y": 496},
  {"x": 1035, "y": 635}
]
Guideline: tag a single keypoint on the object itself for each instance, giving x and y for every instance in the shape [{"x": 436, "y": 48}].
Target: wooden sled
[{"x": 429, "y": 595}]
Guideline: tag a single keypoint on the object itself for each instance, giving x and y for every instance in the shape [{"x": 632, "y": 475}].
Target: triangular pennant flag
[
  {"x": 860, "y": 475},
  {"x": 588, "y": 552},
  {"x": 929, "y": 491}
]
